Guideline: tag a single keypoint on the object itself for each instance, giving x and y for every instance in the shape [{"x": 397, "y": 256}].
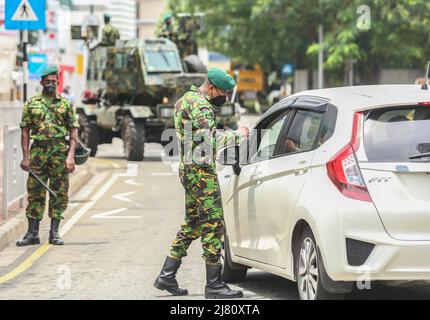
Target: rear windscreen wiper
[{"x": 419, "y": 156}]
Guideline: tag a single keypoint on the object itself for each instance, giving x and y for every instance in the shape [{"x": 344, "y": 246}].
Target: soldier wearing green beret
[
  {"x": 169, "y": 29},
  {"x": 195, "y": 123},
  {"x": 48, "y": 119},
  {"x": 110, "y": 34}
]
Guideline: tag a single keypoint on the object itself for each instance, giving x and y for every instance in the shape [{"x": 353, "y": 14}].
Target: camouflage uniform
[
  {"x": 169, "y": 31},
  {"x": 110, "y": 35},
  {"x": 49, "y": 125},
  {"x": 195, "y": 116}
]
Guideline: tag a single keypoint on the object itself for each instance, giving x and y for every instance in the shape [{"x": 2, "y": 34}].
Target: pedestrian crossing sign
[{"x": 25, "y": 15}]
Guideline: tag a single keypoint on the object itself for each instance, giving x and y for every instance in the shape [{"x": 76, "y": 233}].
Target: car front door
[
  {"x": 282, "y": 179},
  {"x": 244, "y": 225}
]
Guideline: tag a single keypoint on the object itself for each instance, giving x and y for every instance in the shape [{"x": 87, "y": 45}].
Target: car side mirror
[{"x": 231, "y": 157}]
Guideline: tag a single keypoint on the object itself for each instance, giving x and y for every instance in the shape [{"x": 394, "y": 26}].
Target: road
[{"x": 118, "y": 230}]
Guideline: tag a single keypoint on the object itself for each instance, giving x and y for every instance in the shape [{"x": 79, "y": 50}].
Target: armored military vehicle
[{"x": 131, "y": 91}]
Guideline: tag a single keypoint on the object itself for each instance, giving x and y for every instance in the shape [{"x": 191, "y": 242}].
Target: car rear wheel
[{"x": 308, "y": 270}]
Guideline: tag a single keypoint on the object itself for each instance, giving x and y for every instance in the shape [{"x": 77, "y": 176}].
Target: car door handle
[
  {"x": 256, "y": 180},
  {"x": 300, "y": 172}
]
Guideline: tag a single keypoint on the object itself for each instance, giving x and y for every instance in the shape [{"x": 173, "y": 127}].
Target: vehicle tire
[
  {"x": 194, "y": 64},
  {"x": 89, "y": 133},
  {"x": 231, "y": 272},
  {"x": 308, "y": 270},
  {"x": 133, "y": 136}
]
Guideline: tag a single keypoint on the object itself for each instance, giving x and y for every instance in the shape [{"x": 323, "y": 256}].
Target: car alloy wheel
[{"x": 308, "y": 270}]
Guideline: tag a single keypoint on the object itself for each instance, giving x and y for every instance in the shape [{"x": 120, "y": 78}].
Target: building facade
[{"x": 150, "y": 12}]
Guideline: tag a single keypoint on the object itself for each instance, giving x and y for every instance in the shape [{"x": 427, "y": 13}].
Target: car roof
[{"x": 361, "y": 98}]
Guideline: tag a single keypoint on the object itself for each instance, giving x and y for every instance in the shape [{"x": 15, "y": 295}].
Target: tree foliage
[{"x": 274, "y": 32}]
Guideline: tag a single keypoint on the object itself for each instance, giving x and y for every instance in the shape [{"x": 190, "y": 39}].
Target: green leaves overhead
[{"x": 274, "y": 32}]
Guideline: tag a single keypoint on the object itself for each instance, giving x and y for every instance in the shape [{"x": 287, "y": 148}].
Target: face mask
[
  {"x": 49, "y": 89},
  {"x": 219, "y": 101}
]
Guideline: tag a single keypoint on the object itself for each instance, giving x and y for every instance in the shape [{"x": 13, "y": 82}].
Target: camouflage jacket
[
  {"x": 110, "y": 35},
  {"x": 196, "y": 129},
  {"x": 48, "y": 122}
]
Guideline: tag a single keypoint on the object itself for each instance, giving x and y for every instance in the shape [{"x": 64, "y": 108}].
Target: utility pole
[
  {"x": 24, "y": 64},
  {"x": 321, "y": 57}
]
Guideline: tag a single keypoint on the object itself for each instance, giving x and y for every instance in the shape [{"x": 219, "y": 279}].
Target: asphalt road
[{"x": 118, "y": 230}]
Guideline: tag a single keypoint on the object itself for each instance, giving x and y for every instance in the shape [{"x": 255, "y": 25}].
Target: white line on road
[
  {"x": 132, "y": 182},
  {"x": 111, "y": 215},
  {"x": 78, "y": 215},
  {"x": 123, "y": 197},
  {"x": 163, "y": 174}
]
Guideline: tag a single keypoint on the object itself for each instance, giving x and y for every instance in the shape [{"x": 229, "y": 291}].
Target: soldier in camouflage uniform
[
  {"x": 48, "y": 119},
  {"x": 169, "y": 29},
  {"x": 110, "y": 33},
  {"x": 195, "y": 123}
]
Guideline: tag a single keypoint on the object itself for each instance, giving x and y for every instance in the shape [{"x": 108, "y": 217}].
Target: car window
[
  {"x": 267, "y": 138},
  {"x": 303, "y": 133},
  {"x": 397, "y": 134}
]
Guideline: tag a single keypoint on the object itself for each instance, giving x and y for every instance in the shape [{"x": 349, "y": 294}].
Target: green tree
[{"x": 273, "y": 32}]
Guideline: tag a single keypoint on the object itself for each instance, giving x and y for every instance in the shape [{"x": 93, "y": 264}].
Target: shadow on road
[{"x": 273, "y": 287}]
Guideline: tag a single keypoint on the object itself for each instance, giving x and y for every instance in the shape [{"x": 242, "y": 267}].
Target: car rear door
[{"x": 396, "y": 168}]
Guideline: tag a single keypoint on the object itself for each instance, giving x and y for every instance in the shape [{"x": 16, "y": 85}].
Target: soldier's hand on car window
[
  {"x": 25, "y": 165},
  {"x": 244, "y": 131},
  {"x": 70, "y": 165}
]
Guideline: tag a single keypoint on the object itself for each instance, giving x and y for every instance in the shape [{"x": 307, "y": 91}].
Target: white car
[{"x": 334, "y": 189}]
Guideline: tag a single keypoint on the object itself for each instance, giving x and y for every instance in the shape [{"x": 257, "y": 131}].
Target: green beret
[
  {"x": 167, "y": 16},
  {"x": 221, "y": 79},
  {"x": 107, "y": 15},
  {"x": 49, "y": 70}
]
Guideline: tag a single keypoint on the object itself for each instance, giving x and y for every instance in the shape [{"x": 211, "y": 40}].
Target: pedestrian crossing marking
[{"x": 24, "y": 12}]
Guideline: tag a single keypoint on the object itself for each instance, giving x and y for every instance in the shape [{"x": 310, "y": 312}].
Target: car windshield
[
  {"x": 162, "y": 61},
  {"x": 398, "y": 134}
]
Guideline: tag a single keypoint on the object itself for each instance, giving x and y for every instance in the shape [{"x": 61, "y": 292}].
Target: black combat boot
[
  {"x": 32, "y": 235},
  {"x": 167, "y": 278},
  {"x": 54, "y": 236},
  {"x": 215, "y": 288}
]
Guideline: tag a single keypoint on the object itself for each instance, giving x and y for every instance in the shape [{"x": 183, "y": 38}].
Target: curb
[{"x": 17, "y": 226}]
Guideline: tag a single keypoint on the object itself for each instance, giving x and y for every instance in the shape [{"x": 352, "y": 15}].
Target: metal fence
[
  {"x": 10, "y": 112},
  {"x": 14, "y": 178}
]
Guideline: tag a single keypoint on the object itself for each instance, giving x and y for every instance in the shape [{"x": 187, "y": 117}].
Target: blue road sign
[
  {"x": 36, "y": 64},
  {"x": 288, "y": 69},
  {"x": 25, "y": 15}
]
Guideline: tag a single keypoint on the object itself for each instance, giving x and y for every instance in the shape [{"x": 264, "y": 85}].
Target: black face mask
[
  {"x": 219, "y": 101},
  {"x": 49, "y": 89}
]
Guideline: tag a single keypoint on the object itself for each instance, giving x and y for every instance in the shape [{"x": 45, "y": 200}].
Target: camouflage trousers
[
  {"x": 204, "y": 217},
  {"x": 48, "y": 162}
]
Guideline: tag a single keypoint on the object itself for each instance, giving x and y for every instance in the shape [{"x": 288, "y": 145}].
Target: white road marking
[
  {"x": 132, "y": 182},
  {"x": 123, "y": 197},
  {"x": 111, "y": 215},
  {"x": 80, "y": 213},
  {"x": 162, "y": 174}
]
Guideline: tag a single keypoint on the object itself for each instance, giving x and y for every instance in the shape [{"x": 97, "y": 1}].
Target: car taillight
[{"x": 343, "y": 168}]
